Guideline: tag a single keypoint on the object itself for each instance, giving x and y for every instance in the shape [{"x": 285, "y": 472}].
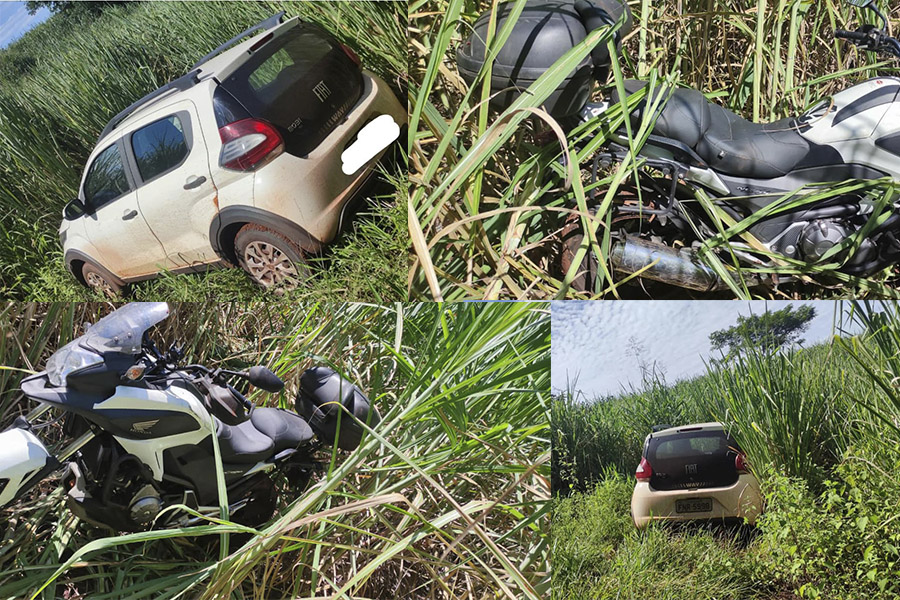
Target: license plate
[
  {"x": 695, "y": 505},
  {"x": 371, "y": 139}
]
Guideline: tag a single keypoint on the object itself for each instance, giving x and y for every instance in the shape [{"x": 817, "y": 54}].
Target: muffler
[
  {"x": 659, "y": 262},
  {"x": 679, "y": 267}
]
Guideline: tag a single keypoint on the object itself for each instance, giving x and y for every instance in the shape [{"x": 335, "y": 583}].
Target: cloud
[
  {"x": 15, "y": 21},
  {"x": 591, "y": 341}
]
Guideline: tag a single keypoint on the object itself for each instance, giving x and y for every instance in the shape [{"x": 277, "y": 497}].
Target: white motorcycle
[{"x": 143, "y": 427}]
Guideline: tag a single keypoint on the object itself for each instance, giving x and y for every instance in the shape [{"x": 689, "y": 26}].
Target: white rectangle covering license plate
[
  {"x": 695, "y": 505},
  {"x": 371, "y": 139}
]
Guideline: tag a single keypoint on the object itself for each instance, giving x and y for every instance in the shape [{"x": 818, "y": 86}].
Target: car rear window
[
  {"x": 159, "y": 147},
  {"x": 106, "y": 179},
  {"x": 692, "y": 459},
  {"x": 302, "y": 82}
]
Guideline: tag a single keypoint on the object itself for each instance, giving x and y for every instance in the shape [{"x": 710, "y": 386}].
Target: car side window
[
  {"x": 106, "y": 179},
  {"x": 159, "y": 147}
]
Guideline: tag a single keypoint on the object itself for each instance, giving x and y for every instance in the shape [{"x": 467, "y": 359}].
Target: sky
[
  {"x": 15, "y": 20},
  {"x": 590, "y": 340}
]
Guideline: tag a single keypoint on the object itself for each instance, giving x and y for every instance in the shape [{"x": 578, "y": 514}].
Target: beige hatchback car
[
  {"x": 695, "y": 472},
  {"x": 248, "y": 159}
]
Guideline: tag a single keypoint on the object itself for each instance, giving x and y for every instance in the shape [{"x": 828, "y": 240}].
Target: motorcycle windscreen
[
  {"x": 690, "y": 460},
  {"x": 122, "y": 330},
  {"x": 302, "y": 82}
]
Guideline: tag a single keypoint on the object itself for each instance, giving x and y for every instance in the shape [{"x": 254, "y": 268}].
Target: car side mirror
[{"x": 74, "y": 209}]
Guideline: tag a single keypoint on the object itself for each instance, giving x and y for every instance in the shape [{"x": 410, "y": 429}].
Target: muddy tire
[
  {"x": 96, "y": 279},
  {"x": 270, "y": 259}
]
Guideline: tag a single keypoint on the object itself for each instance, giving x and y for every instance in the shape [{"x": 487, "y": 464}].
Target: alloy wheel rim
[
  {"x": 97, "y": 282},
  {"x": 269, "y": 266}
]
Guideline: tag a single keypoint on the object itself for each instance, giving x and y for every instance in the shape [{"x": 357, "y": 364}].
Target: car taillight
[
  {"x": 249, "y": 143},
  {"x": 351, "y": 54},
  {"x": 644, "y": 471},
  {"x": 740, "y": 463}
]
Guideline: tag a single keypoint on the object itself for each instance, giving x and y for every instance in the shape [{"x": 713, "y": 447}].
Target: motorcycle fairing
[
  {"x": 119, "y": 332},
  {"x": 143, "y": 406},
  {"x": 23, "y": 458}
]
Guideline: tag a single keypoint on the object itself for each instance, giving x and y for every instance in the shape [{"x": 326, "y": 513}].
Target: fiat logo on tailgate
[
  {"x": 321, "y": 91},
  {"x": 690, "y": 469}
]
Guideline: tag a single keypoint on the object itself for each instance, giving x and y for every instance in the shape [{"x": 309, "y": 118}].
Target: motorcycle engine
[
  {"x": 819, "y": 237},
  {"x": 145, "y": 505}
]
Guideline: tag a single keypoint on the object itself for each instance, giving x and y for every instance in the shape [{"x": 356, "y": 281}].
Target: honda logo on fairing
[
  {"x": 143, "y": 426},
  {"x": 690, "y": 469},
  {"x": 321, "y": 91}
]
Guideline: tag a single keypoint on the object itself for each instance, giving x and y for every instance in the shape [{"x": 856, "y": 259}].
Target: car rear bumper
[
  {"x": 313, "y": 190},
  {"x": 743, "y": 500}
]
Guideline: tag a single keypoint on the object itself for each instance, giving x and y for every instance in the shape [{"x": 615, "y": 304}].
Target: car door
[
  {"x": 176, "y": 193},
  {"x": 113, "y": 222}
]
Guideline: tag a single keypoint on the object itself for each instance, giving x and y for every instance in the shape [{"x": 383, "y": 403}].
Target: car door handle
[
  {"x": 193, "y": 181},
  {"x": 129, "y": 214}
]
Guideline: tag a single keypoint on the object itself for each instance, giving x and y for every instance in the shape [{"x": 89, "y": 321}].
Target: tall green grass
[
  {"x": 85, "y": 72},
  {"x": 786, "y": 408},
  {"x": 487, "y": 209},
  {"x": 447, "y": 498}
]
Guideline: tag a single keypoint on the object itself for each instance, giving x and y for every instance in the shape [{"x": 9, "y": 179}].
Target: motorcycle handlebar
[
  {"x": 855, "y": 36},
  {"x": 247, "y": 404}
]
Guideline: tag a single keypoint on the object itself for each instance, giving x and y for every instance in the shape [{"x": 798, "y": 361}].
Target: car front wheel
[{"x": 270, "y": 259}]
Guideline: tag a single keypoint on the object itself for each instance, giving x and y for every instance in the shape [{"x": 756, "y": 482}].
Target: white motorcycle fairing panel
[
  {"x": 853, "y": 120},
  {"x": 145, "y": 410},
  {"x": 21, "y": 456}
]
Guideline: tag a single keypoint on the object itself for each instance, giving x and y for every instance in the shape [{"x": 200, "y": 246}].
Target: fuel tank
[
  {"x": 140, "y": 414},
  {"x": 22, "y": 456},
  {"x": 862, "y": 123}
]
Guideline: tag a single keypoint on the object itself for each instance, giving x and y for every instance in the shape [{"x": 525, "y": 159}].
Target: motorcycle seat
[
  {"x": 243, "y": 443},
  {"x": 267, "y": 432},
  {"x": 727, "y": 142},
  {"x": 285, "y": 428}
]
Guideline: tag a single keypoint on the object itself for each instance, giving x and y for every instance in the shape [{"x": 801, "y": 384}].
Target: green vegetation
[
  {"x": 769, "y": 330},
  {"x": 492, "y": 194},
  {"x": 61, "y": 83},
  {"x": 447, "y": 499},
  {"x": 821, "y": 428}
]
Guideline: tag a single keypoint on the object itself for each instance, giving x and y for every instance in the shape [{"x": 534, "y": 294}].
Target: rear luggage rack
[
  {"x": 185, "y": 82},
  {"x": 269, "y": 23}
]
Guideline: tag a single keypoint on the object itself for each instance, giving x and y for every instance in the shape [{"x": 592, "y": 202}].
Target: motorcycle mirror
[
  {"x": 871, "y": 5},
  {"x": 265, "y": 379}
]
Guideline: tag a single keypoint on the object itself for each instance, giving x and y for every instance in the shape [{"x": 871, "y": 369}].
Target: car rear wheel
[
  {"x": 270, "y": 259},
  {"x": 97, "y": 280}
]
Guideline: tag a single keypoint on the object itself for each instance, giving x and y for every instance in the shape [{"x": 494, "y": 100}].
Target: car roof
[
  {"x": 216, "y": 65},
  {"x": 711, "y": 426}
]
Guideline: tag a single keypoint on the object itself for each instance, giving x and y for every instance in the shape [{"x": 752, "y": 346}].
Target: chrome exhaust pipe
[{"x": 667, "y": 265}]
